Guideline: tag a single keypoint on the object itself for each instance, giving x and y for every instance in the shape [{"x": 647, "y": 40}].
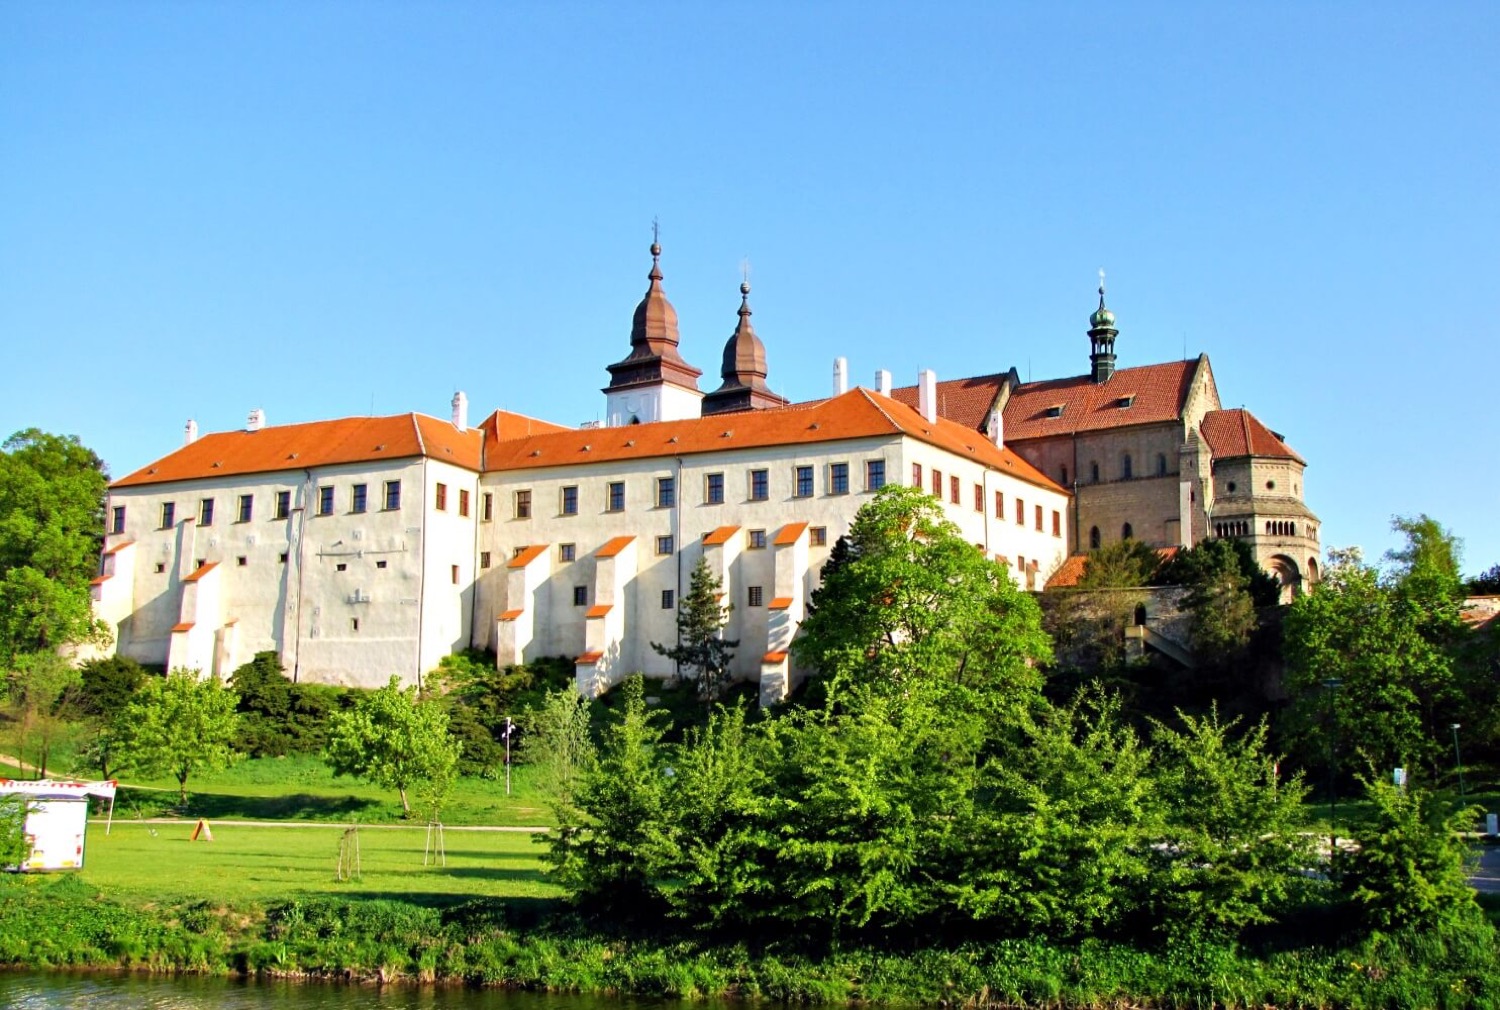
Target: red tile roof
[
  {"x": 781, "y": 603},
  {"x": 589, "y": 658},
  {"x": 1231, "y": 433},
  {"x": 100, "y": 580},
  {"x": 789, "y": 534},
  {"x": 315, "y": 443},
  {"x": 598, "y": 610},
  {"x": 858, "y": 413},
  {"x": 614, "y": 547},
  {"x": 527, "y": 556},
  {"x": 184, "y": 626},
  {"x": 118, "y": 547},
  {"x": 967, "y": 401},
  {"x": 774, "y": 657},
  {"x": 721, "y": 535},
  {"x": 203, "y": 570},
  {"x": 1158, "y": 393},
  {"x": 1068, "y": 574},
  {"x": 511, "y": 615}
]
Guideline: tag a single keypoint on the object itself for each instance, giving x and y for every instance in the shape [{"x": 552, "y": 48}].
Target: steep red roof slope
[
  {"x": 967, "y": 401},
  {"x": 1238, "y": 432},
  {"x": 1157, "y": 393}
]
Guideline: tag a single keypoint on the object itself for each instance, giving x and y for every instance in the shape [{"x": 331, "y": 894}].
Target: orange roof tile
[
  {"x": 966, "y": 401},
  {"x": 184, "y": 626},
  {"x": 511, "y": 615},
  {"x": 789, "y": 534},
  {"x": 203, "y": 570},
  {"x": 614, "y": 547},
  {"x": 1159, "y": 393},
  {"x": 589, "y": 658},
  {"x": 858, "y": 413},
  {"x": 527, "y": 556},
  {"x": 598, "y": 610},
  {"x": 721, "y": 535},
  {"x": 118, "y": 547},
  {"x": 315, "y": 443},
  {"x": 1238, "y": 432},
  {"x": 100, "y": 580},
  {"x": 1068, "y": 574},
  {"x": 781, "y": 603},
  {"x": 774, "y": 657}
]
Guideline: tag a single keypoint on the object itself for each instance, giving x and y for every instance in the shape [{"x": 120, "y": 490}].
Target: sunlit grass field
[{"x": 160, "y": 863}]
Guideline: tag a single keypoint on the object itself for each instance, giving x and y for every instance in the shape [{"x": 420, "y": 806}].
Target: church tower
[
  {"x": 1102, "y": 335},
  {"x": 653, "y": 382},
  {"x": 744, "y": 370}
]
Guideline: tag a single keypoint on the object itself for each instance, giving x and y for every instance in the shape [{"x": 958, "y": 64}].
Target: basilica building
[{"x": 357, "y": 548}]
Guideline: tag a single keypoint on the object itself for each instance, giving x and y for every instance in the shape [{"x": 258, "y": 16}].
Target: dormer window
[
  {"x": 1125, "y": 401},
  {"x": 1056, "y": 410}
]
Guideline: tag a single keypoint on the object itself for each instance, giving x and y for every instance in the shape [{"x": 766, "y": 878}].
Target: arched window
[
  {"x": 1125, "y": 468},
  {"x": 1126, "y": 532},
  {"x": 1094, "y": 539},
  {"x": 1161, "y": 464},
  {"x": 1140, "y": 615},
  {"x": 1291, "y": 529},
  {"x": 1064, "y": 481},
  {"x": 1094, "y": 472}
]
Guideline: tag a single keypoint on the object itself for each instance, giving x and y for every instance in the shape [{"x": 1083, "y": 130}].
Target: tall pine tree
[{"x": 701, "y": 646}]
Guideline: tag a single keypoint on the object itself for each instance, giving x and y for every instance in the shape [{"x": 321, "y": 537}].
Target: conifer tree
[{"x": 701, "y": 646}]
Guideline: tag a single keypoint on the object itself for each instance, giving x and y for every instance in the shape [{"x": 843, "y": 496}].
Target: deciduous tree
[
  {"x": 179, "y": 724},
  {"x": 394, "y": 740}
]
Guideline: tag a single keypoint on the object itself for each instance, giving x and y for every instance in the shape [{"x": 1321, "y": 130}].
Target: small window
[
  {"x": 1161, "y": 464},
  {"x": 392, "y": 495},
  {"x": 200, "y": 562},
  {"x": 380, "y": 564},
  {"x": 283, "y": 505},
  {"x": 937, "y": 484},
  {"x": 484, "y": 559},
  {"x": 713, "y": 489},
  {"x": 1038, "y": 518},
  {"x": 454, "y": 571},
  {"x": 978, "y": 497},
  {"x": 463, "y": 502},
  {"x": 668, "y": 599},
  {"x": 246, "y": 508},
  {"x": 284, "y": 558},
  {"x": 357, "y": 497},
  {"x": 760, "y": 485},
  {"x": 874, "y": 474},
  {"x": 1064, "y": 480},
  {"x": 440, "y": 497},
  {"x": 954, "y": 486},
  {"x": 168, "y": 515},
  {"x": 1094, "y": 473},
  {"x": 518, "y": 552},
  {"x": 1127, "y": 471},
  {"x": 756, "y": 539},
  {"x": 161, "y": 569},
  {"x": 242, "y": 561},
  {"x": 1056, "y": 410},
  {"x": 580, "y": 596},
  {"x": 1056, "y": 523},
  {"x": 341, "y": 567},
  {"x": 999, "y": 504},
  {"x": 666, "y": 492},
  {"x": 1020, "y": 512},
  {"x": 353, "y": 624},
  {"x": 1270, "y": 485},
  {"x": 325, "y": 500},
  {"x": 487, "y": 507},
  {"x": 1231, "y": 487},
  {"x": 1021, "y": 563},
  {"x": 755, "y": 597},
  {"x": 1126, "y": 532},
  {"x": 615, "y": 499},
  {"x": 523, "y": 504},
  {"x": 664, "y": 545},
  {"x": 118, "y": 516},
  {"x": 570, "y": 500},
  {"x": 566, "y": 552},
  {"x": 838, "y": 478},
  {"x": 818, "y": 536},
  {"x": 1094, "y": 538},
  {"x": 916, "y": 475},
  {"x": 804, "y": 481},
  {"x": 206, "y": 512}
]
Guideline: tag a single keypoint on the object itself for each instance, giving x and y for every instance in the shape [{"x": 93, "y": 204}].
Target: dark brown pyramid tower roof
[
  {"x": 744, "y": 370},
  {"x": 653, "y": 356}
]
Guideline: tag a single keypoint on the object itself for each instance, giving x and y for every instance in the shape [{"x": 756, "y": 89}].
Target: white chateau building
[{"x": 364, "y": 547}]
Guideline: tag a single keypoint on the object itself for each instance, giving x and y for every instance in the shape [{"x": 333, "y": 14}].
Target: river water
[{"x": 66, "y": 991}]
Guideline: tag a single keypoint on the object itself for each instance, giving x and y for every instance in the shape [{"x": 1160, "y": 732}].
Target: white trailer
[{"x": 56, "y": 820}]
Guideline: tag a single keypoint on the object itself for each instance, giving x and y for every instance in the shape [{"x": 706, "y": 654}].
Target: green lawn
[{"x": 160, "y": 863}]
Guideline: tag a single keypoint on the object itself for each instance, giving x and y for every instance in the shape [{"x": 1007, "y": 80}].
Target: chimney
[
  {"x": 190, "y": 433},
  {"x": 927, "y": 394},
  {"x": 256, "y": 420},
  {"x": 996, "y": 428},
  {"x": 460, "y": 411},
  {"x": 840, "y": 376},
  {"x": 883, "y": 382}
]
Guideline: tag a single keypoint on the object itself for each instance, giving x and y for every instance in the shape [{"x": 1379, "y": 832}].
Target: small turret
[
  {"x": 1102, "y": 335},
  {"x": 744, "y": 370}
]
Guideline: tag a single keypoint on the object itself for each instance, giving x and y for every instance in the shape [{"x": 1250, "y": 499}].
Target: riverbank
[{"x": 62, "y": 922}]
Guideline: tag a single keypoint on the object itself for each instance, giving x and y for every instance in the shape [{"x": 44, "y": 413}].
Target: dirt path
[{"x": 25, "y": 766}]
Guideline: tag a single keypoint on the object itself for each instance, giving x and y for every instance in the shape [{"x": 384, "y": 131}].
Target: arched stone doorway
[{"x": 1286, "y": 572}]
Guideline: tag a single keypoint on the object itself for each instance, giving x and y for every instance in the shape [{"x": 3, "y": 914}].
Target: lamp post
[{"x": 1458, "y": 756}]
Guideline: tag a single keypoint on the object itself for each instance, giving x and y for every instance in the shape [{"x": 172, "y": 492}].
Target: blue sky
[{"x": 322, "y": 209}]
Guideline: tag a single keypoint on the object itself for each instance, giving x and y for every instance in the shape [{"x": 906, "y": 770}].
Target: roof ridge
[
  {"x": 883, "y": 412},
  {"x": 1245, "y": 426},
  {"x": 417, "y": 428}
]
